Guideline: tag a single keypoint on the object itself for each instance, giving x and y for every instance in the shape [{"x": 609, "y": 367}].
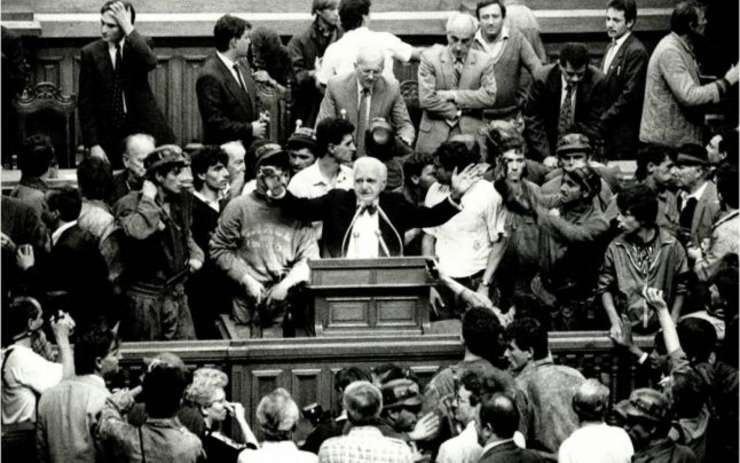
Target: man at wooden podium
[{"x": 367, "y": 222}]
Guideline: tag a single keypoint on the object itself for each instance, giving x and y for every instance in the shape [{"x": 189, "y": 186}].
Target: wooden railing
[{"x": 306, "y": 367}]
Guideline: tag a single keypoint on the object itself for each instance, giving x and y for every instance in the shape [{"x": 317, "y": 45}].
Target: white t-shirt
[
  {"x": 596, "y": 442},
  {"x": 464, "y": 241},
  {"x": 26, "y": 374},
  {"x": 340, "y": 56},
  {"x": 310, "y": 183}
]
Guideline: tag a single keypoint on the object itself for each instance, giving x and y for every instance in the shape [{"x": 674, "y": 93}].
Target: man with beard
[
  {"x": 306, "y": 50},
  {"x": 266, "y": 251},
  {"x": 671, "y": 113},
  {"x": 644, "y": 255},
  {"x": 159, "y": 251}
]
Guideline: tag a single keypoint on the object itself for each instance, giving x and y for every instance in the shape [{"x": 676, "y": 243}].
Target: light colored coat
[
  {"x": 670, "y": 112},
  {"x": 342, "y": 93},
  {"x": 476, "y": 90}
]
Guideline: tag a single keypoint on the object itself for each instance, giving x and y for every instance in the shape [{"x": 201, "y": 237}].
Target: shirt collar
[
  {"x": 112, "y": 46},
  {"x": 212, "y": 204},
  {"x": 229, "y": 63},
  {"x": 618, "y": 43},
  {"x": 700, "y": 191},
  {"x": 491, "y": 445},
  {"x": 58, "y": 232},
  {"x": 359, "y": 89}
]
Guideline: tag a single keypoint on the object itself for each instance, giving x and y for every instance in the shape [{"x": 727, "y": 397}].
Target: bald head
[
  {"x": 137, "y": 147},
  {"x": 460, "y": 29},
  {"x": 369, "y": 65},
  {"x": 590, "y": 400}
]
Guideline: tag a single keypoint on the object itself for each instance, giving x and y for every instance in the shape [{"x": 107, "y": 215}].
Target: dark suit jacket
[
  {"x": 96, "y": 96},
  {"x": 77, "y": 267},
  {"x": 625, "y": 90},
  {"x": 510, "y": 453},
  {"x": 337, "y": 208},
  {"x": 542, "y": 110},
  {"x": 227, "y": 110}
]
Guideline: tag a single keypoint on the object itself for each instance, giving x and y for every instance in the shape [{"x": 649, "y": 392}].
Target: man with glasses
[
  {"x": 564, "y": 97},
  {"x": 364, "y": 95}
]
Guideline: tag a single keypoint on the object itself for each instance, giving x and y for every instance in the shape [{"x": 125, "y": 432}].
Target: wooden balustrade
[{"x": 306, "y": 366}]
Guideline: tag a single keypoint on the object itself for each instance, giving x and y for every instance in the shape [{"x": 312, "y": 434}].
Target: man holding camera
[{"x": 267, "y": 252}]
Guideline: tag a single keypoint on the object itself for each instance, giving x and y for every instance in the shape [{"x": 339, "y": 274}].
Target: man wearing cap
[
  {"x": 364, "y": 95},
  {"x": 698, "y": 203},
  {"x": 575, "y": 150},
  {"x": 564, "y": 98},
  {"x": 367, "y": 222},
  {"x": 647, "y": 415},
  {"x": 594, "y": 440},
  {"x": 571, "y": 247},
  {"x": 160, "y": 252},
  {"x": 455, "y": 85},
  {"x": 363, "y": 402},
  {"x": 266, "y": 251},
  {"x": 301, "y": 146}
]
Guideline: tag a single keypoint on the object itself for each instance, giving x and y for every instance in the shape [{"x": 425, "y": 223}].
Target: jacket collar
[{"x": 34, "y": 182}]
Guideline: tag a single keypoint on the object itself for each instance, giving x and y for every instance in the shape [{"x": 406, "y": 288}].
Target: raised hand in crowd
[
  {"x": 259, "y": 127},
  {"x": 122, "y": 16},
  {"x": 426, "y": 428},
  {"x": 24, "y": 257},
  {"x": 733, "y": 74},
  {"x": 462, "y": 181}
]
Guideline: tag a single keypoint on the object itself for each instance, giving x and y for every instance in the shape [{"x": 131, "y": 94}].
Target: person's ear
[
  {"x": 201, "y": 177},
  {"x": 98, "y": 363},
  {"x": 415, "y": 179}
]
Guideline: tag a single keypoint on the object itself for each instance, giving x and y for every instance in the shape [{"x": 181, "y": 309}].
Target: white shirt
[
  {"x": 464, "y": 242},
  {"x": 311, "y": 183},
  {"x": 212, "y": 204},
  {"x": 596, "y": 442},
  {"x": 613, "y": 51},
  {"x": 564, "y": 91},
  {"x": 277, "y": 452},
  {"x": 494, "y": 48},
  {"x": 230, "y": 66},
  {"x": 58, "y": 232},
  {"x": 364, "y": 237},
  {"x": 25, "y": 372},
  {"x": 340, "y": 56}
]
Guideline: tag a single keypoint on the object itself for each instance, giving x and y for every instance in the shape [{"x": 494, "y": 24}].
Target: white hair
[
  {"x": 370, "y": 162},
  {"x": 369, "y": 54},
  {"x": 458, "y": 17}
]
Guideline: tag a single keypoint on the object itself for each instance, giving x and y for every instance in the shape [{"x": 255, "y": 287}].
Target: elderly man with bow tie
[{"x": 368, "y": 222}]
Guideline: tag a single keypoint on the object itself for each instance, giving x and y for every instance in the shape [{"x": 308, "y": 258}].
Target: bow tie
[{"x": 371, "y": 208}]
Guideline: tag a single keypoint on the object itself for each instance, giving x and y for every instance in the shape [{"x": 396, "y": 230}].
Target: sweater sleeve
[{"x": 226, "y": 241}]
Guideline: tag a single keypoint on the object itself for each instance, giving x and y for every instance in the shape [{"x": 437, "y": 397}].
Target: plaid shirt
[{"x": 364, "y": 444}]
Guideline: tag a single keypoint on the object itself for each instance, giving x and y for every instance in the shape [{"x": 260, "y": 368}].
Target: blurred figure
[
  {"x": 36, "y": 157},
  {"x": 306, "y": 50},
  {"x": 270, "y": 59},
  {"x": 497, "y": 423},
  {"x": 302, "y": 148}
]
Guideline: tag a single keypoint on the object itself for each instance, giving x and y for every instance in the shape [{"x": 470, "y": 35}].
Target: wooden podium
[{"x": 370, "y": 297}]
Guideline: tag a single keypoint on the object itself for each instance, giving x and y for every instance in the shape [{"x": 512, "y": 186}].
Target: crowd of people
[{"x": 505, "y": 185}]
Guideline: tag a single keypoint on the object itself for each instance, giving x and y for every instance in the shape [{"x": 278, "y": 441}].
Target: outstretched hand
[
  {"x": 462, "y": 181},
  {"x": 654, "y": 298}
]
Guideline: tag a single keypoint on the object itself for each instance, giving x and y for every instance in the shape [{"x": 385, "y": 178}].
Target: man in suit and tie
[
  {"x": 498, "y": 421},
  {"x": 698, "y": 203},
  {"x": 455, "y": 84},
  {"x": 115, "y": 97},
  {"x": 227, "y": 96},
  {"x": 624, "y": 66},
  {"x": 365, "y": 94},
  {"x": 564, "y": 97}
]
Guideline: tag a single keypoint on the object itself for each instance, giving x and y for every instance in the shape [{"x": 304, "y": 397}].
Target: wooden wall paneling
[
  {"x": 48, "y": 68},
  {"x": 307, "y": 385},
  {"x": 162, "y": 84},
  {"x": 192, "y": 126}
]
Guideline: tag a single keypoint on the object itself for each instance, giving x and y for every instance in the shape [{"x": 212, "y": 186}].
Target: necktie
[
  {"x": 687, "y": 213},
  {"x": 458, "y": 71},
  {"x": 239, "y": 77},
  {"x": 609, "y": 56},
  {"x": 566, "y": 111},
  {"x": 118, "y": 113},
  {"x": 362, "y": 118}
]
